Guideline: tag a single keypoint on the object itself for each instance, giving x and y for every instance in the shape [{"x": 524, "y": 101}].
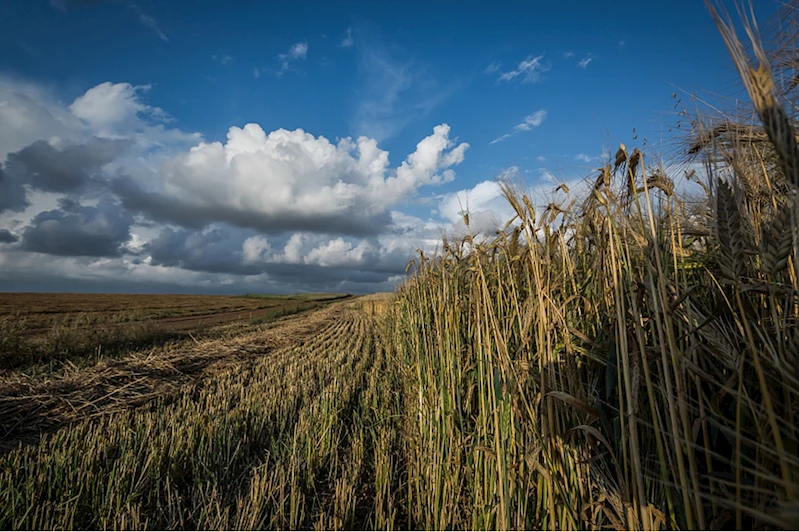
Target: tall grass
[{"x": 613, "y": 360}]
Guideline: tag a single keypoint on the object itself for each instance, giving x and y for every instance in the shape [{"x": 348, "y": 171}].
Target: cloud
[
  {"x": 386, "y": 82},
  {"x": 291, "y": 180},
  {"x": 148, "y": 21},
  {"x": 530, "y": 121},
  {"x": 585, "y": 158},
  {"x": 493, "y": 67},
  {"x": 488, "y": 210},
  {"x": 501, "y": 138},
  {"x": 378, "y": 255},
  {"x": 568, "y": 55},
  {"x": 529, "y": 70},
  {"x": 216, "y": 250},
  {"x": 255, "y": 249},
  {"x": 13, "y": 196},
  {"x": 208, "y": 261},
  {"x": 144, "y": 18},
  {"x": 29, "y": 113},
  {"x": 223, "y": 58},
  {"x": 115, "y": 110},
  {"x": 548, "y": 177},
  {"x": 7, "y": 237},
  {"x": 225, "y": 249},
  {"x": 108, "y": 105},
  {"x": 338, "y": 252},
  {"x": 76, "y": 230},
  {"x": 583, "y": 63},
  {"x": 395, "y": 91},
  {"x": 63, "y": 167},
  {"x": 297, "y": 51},
  {"x": 47, "y": 146},
  {"x": 115, "y": 197},
  {"x": 26, "y": 271},
  {"x": 347, "y": 41}
]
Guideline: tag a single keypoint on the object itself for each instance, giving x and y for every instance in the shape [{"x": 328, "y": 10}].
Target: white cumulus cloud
[
  {"x": 101, "y": 191},
  {"x": 109, "y": 104},
  {"x": 116, "y": 110},
  {"x": 287, "y": 180},
  {"x": 338, "y": 252}
]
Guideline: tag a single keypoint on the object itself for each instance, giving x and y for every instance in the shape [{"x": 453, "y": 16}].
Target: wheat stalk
[
  {"x": 777, "y": 242},
  {"x": 759, "y": 83},
  {"x": 728, "y": 232}
]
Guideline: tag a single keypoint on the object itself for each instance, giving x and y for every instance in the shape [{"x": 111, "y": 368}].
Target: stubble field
[
  {"x": 266, "y": 425},
  {"x": 40, "y": 327}
]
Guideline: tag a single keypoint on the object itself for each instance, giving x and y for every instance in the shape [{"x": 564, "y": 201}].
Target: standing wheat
[
  {"x": 759, "y": 83},
  {"x": 777, "y": 242},
  {"x": 728, "y": 231}
]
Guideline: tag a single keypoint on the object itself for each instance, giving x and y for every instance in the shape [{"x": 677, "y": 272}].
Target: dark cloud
[
  {"x": 321, "y": 276},
  {"x": 214, "y": 251},
  {"x": 219, "y": 251},
  {"x": 12, "y": 193},
  {"x": 69, "y": 205},
  {"x": 79, "y": 231},
  {"x": 52, "y": 283},
  {"x": 162, "y": 208},
  {"x": 49, "y": 283},
  {"x": 210, "y": 262},
  {"x": 45, "y": 167},
  {"x": 7, "y": 237}
]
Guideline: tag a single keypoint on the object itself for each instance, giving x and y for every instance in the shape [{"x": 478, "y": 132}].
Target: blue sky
[{"x": 122, "y": 93}]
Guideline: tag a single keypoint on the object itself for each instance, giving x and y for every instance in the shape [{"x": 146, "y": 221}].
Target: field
[
  {"x": 40, "y": 327},
  {"x": 625, "y": 357},
  {"x": 233, "y": 420}
]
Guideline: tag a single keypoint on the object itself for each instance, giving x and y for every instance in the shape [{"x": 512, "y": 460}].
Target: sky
[{"x": 258, "y": 146}]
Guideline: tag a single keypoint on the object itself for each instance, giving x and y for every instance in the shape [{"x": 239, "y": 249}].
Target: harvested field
[
  {"x": 292, "y": 424},
  {"x": 30, "y": 404},
  {"x": 41, "y": 311},
  {"x": 37, "y": 328}
]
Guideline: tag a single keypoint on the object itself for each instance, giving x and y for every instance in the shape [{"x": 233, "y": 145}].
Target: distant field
[
  {"x": 42, "y": 310},
  {"x": 37, "y": 327}
]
